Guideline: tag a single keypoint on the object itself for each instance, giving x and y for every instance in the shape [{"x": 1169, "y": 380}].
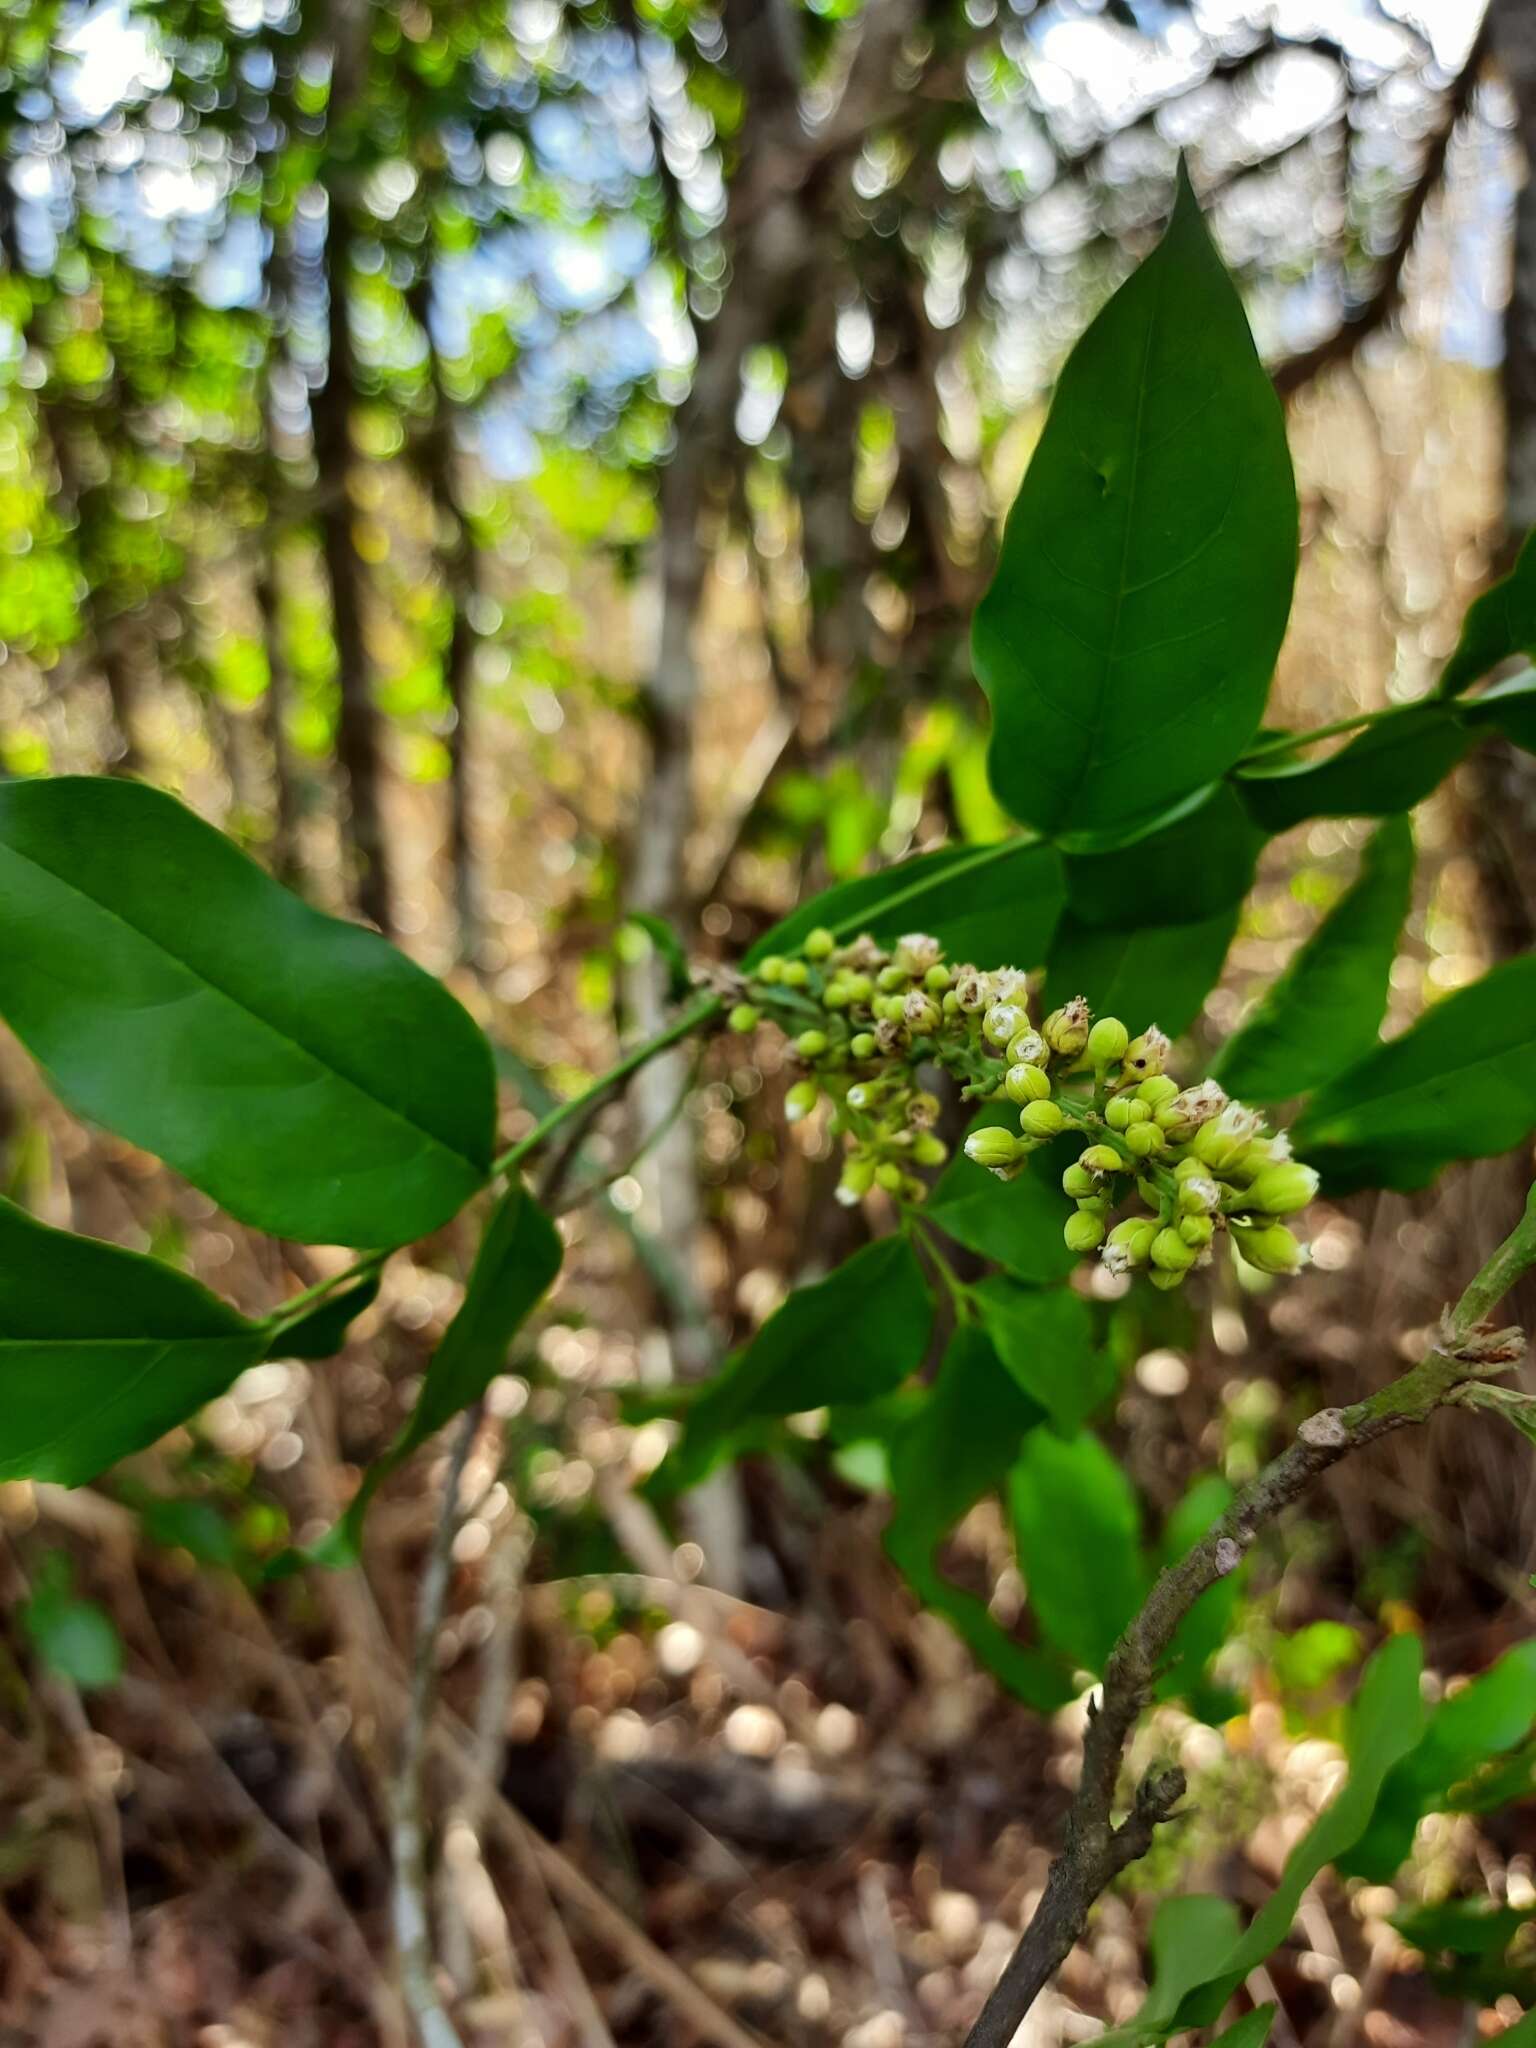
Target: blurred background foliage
[{"x": 516, "y": 464}]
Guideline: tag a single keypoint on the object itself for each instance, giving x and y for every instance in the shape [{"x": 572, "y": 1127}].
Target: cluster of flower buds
[{"x": 864, "y": 1021}]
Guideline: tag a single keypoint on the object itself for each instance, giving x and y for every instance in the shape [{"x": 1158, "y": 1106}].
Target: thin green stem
[
  {"x": 960, "y": 1293},
  {"x": 683, "y": 1025},
  {"x": 1290, "y": 743},
  {"x": 290, "y": 1311}
]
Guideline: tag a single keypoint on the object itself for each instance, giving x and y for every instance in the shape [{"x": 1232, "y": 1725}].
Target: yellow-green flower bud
[
  {"x": 770, "y": 969},
  {"x": 1098, "y": 1204},
  {"x": 862, "y": 1095},
  {"x": 1220, "y": 1142},
  {"x": 1144, "y": 1056},
  {"x": 1156, "y": 1091},
  {"x": 1101, "y": 1159},
  {"x": 1191, "y": 1108},
  {"x": 1041, "y": 1119},
  {"x": 928, "y": 1149},
  {"x": 1272, "y": 1250},
  {"x": 858, "y": 1178},
  {"x": 862, "y": 1045},
  {"x": 937, "y": 980},
  {"x": 1165, "y": 1281},
  {"x": 951, "y": 1005},
  {"x": 993, "y": 1148},
  {"x": 1196, "y": 1230},
  {"x": 1066, "y": 1030},
  {"x": 1078, "y": 1183},
  {"x": 1199, "y": 1195},
  {"x": 801, "y": 1100},
  {"x": 892, "y": 978},
  {"x": 1144, "y": 1140},
  {"x": 811, "y": 1044},
  {"x": 818, "y": 944},
  {"x": 1171, "y": 1253},
  {"x": 1028, "y": 1049},
  {"x": 744, "y": 1017},
  {"x": 1027, "y": 1084},
  {"x": 1130, "y": 1244},
  {"x": 859, "y": 986},
  {"x": 1124, "y": 1111},
  {"x": 1107, "y": 1042},
  {"x": 794, "y": 974},
  {"x": 1282, "y": 1190},
  {"x": 1003, "y": 1022},
  {"x": 888, "y": 1175},
  {"x": 1083, "y": 1232},
  {"x": 916, "y": 953},
  {"x": 920, "y": 1013},
  {"x": 835, "y": 995}
]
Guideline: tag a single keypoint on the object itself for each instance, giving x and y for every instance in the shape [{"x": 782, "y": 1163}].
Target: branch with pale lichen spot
[{"x": 1096, "y": 1850}]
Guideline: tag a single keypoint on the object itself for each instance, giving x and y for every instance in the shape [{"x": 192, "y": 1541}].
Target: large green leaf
[
  {"x": 1076, "y": 1523},
  {"x": 1143, "y": 974},
  {"x": 1385, "y": 1724},
  {"x": 1482, "y": 1721},
  {"x": 955, "y": 1448},
  {"x": 298, "y": 1069},
  {"x": 996, "y": 905},
  {"x": 101, "y": 1351},
  {"x": 1186, "y": 872},
  {"x": 1391, "y": 766},
  {"x": 1325, "y": 1011},
  {"x": 1460, "y": 1085},
  {"x": 1044, "y": 1336},
  {"x": 1128, "y": 638},
  {"x": 518, "y": 1258},
  {"x": 851, "y": 1337},
  {"x": 1498, "y": 624},
  {"x": 1017, "y": 1223},
  {"x": 1509, "y": 709}
]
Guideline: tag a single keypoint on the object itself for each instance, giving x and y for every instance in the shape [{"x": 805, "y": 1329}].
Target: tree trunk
[{"x": 357, "y": 729}]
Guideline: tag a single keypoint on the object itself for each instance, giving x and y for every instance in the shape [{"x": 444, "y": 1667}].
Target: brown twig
[{"x": 1095, "y": 1850}]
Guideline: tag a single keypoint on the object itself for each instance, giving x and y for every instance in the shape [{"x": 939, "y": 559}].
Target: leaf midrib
[{"x": 477, "y": 1167}]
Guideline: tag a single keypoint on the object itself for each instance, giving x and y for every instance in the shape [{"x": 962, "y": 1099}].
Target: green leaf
[
  {"x": 1044, "y": 1337},
  {"x": 323, "y": 1331},
  {"x": 1205, "y": 1627},
  {"x": 1385, "y": 1724},
  {"x": 1017, "y": 1223},
  {"x": 1076, "y": 1523},
  {"x": 1128, "y": 638},
  {"x": 1482, "y": 1721},
  {"x": 518, "y": 1258},
  {"x": 1185, "y": 1933},
  {"x": 101, "y": 1351},
  {"x": 301, "y": 1071},
  {"x": 75, "y": 1639},
  {"x": 1325, "y": 1011},
  {"x": 1508, "y": 708},
  {"x": 996, "y": 905},
  {"x": 1460, "y": 1085},
  {"x": 957, "y": 1447},
  {"x": 1251, "y": 2031},
  {"x": 851, "y": 1337},
  {"x": 1498, "y": 624},
  {"x": 1391, "y": 766},
  {"x": 1479, "y": 1928},
  {"x": 1186, "y": 873},
  {"x": 1147, "y": 974}
]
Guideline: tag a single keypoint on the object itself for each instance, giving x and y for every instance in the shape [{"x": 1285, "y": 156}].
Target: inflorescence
[{"x": 865, "y": 1021}]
